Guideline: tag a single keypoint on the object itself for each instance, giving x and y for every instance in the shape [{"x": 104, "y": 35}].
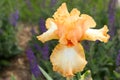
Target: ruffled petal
[
  {"x": 74, "y": 14},
  {"x": 88, "y": 21},
  {"x": 97, "y": 34},
  {"x": 61, "y": 14},
  {"x": 68, "y": 60},
  {"x": 48, "y": 23},
  {"x": 49, "y": 34}
]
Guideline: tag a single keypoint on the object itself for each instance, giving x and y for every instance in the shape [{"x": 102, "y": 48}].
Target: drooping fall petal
[
  {"x": 68, "y": 60},
  {"x": 49, "y": 34},
  {"x": 49, "y": 22},
  {"x": 97, "y": 34}
]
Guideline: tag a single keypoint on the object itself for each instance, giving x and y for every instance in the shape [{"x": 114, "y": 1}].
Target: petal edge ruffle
[
  {"x": 97, "y": 34},
  {"x": 49, "y": 34},
  {"x": 68, "y": 60}
]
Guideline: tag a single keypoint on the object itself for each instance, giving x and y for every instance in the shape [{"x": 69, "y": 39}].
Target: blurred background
[{"x": 20, "y": 52}]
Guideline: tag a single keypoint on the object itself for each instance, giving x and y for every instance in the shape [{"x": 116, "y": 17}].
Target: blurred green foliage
[
  {"x": 8, "y": 43},
  {"x": 101, "y": 57}
]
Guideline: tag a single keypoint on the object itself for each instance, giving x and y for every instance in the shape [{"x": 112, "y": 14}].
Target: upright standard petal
[
  {"x": 61, "y": 14},
  {"x": 97, "y": 34},
  {"x": 49, "y": 34},
  {"x": 68, "y": 60},
  {"x": 74, "y": 14},
  {"x": 88, "y": 21}
]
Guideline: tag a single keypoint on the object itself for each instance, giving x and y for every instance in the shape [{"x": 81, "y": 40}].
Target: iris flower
[{"x": 70, "y": 29}]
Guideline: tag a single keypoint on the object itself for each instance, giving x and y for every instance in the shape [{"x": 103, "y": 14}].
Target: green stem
[
  {"x": 67, "y": 78},
  {"x": 78, "y": 75}
]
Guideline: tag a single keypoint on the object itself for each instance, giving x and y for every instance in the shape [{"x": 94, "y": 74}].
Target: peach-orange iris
[{"x": 70, "y": 28}]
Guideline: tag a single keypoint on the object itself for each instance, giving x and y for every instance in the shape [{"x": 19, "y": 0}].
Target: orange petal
[
  {"x": 74, "y": 14},
  {"x": 68, "y": 60},
  {"x": 88, "y": 21},
  {"x": 97, "y": 34},
  {"x": 49, "y": 34},
  {"x": 48, "y": 22},
  {"x": 61, "y": 14}
]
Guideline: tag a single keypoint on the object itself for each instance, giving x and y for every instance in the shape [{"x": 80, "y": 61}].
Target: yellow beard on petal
[{"x": 68, "y": 60}]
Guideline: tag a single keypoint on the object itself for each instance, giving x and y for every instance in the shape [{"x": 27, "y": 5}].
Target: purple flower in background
[
  {"x": 53, "y": 2},
  {"x": 111, "y": 17},
  {"x": 14, "y": 18},
  {"x": 33, "y": 63},
  {"x": 37, "y": 47},
  {"x": 86, "y": 45},
  {"x": 45, "y": 48},
  {"x": 97, "y": 41},
  {"x": 118, "y": 59},
  {"x": 45, "y": 51},
  {"x": 42, "y": 25}
]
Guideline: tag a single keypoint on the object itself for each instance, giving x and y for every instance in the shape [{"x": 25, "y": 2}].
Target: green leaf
[
  {"x": 86, "y": 76},
  {"x": 12, "y": 77},
  {"x": 45, "y": 74},
  {"x": 33, "y": 78},
  {"x": 78, "y": 75},
  {"x": 116, "y": 74}
]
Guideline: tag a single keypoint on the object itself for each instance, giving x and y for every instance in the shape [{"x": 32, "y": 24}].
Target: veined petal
[
  {"x": 49, "y": 34},
  {"x": 97, "y": 34},
  {"x": 68, "y": 60}
]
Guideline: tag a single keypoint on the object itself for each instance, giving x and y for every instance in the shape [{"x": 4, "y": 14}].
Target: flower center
[{"x": 69, "y": 43}]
